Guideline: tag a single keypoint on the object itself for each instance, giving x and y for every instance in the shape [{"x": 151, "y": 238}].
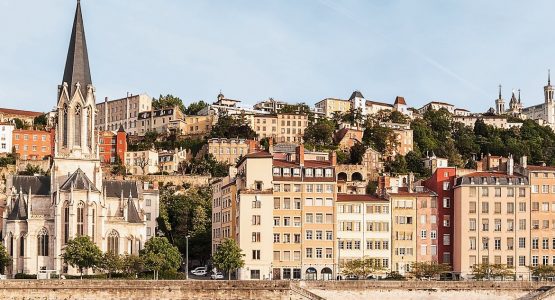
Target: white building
[
  {"x": 43, "y": 213},
  {"x": 543, "y": 113},
  {"x": 141, "y": 162},
  {"x": 6, "y": 130},
  {"x": 364, "y": 229}
]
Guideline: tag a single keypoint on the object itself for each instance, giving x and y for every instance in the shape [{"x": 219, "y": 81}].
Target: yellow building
[
  {"x": 230, "y": 150},
  {"x": 282, "y": 127},
  {"x": 330, "y": 105}
]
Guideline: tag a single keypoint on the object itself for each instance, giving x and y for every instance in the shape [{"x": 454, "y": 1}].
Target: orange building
[
  {"x": 32, "y": 144},
  {"x": 112, "y": 144}
]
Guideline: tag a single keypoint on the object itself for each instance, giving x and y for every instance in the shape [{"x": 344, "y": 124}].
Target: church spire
[
  {"x": 548, "y": 77},
  {"x": 77, "y": 63},
  {"x": 499, "y": 92}
]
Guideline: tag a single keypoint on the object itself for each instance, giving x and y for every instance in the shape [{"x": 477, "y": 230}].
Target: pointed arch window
[
  {"x": 66, "y": 222},
  {"x": 22, "y": 244},
  {"x": 80, "y": 218},
  {"x": 93, "y": 222},
  {"x": 11, "y": 244},
  {"x": 64, "y": 125},
  {"x": 78, "y": 120},
  {"x": 113, "y": 242},
  {"x": 43, "y": 243}
]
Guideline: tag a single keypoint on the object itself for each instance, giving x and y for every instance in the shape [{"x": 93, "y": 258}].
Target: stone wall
[{"x": 127, "y": 289}]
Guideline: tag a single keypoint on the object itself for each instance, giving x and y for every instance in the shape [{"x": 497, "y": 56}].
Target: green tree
[
  {"x": 319, "y": 135},
  {"x": 232, "y": 127},
  {"x": 40, "y": 121},
  {"x": 361, "y": 267},
  {"x": 380, "y": 138},
  {"x": 357, "y": 153},
  {"x": 543, "y": 272},
  {"x": 159, "y": 255},
  {"x": 415, "y": 164},
  {"x": 428, "y": 269},
  {"x": 397, "y": 166},
  {"x": 195, "y": 107},
  {"x": 82, "y": 253},
  {"x": 132, "y": 264},
  {"x": 19, "y": 124},
  {"x": 372, "y": 187},
  {"x": 228, "y": 257},
  {"x": 168, "y": 101},
  {"x": 5, "y": 259},
  {"x": 31, "y": 170},
  {"x": 111, "y": 263},
  {"x": 117, "y": 167}
]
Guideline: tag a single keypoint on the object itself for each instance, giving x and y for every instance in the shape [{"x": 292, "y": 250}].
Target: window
[
  {"x": 66, "y": 223},
  {"x": 497, "y": 244},
  {"x": 113, "y": 242},
  {"x": 255, "y": 274},
  {"x": 510, "y": 192},
  {"x": 309, "y": 234},
  {"x": 510, "y": 208},
  {"x": 308, "y": 252},
  {"x": 522, "y": 261},
  {"x": 472, "y": 242},
  {"x": 485, "y": 207},
  {"x": 256, "y": 254},
  {"x": 472, "y": 207},
  {"x": 497, "y": 207},
  {"x": 446, "y": 203},
  {"x": 497, "y": 192},
  {"x": 309, "y": 218},
  {"x": 277, "y": 203},
  {"x": 256, "y": 220},
  {"x": 521, "y": 242},
  {"x": 535, "y": 242},
  {"x": 43, "y": 244},
  {"x": 80, "y": 218},
  {"x": 276, "y": 221},
  {"x": 446, "y": 239},
  {"x": 256, "y": 237},
  {"x": 472, "y": 225},
  {"x": 485, "y": 191},
  {"x": 433, "y": 235}
]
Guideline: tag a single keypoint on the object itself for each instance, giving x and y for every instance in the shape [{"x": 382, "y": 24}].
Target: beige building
[
  {"x": 230, "y": 150},
  {"x": 169, "y": 161},
  {"x": 364, "y": 230},
  {"x": 403, "y": 136},
  {"x": 492, "y": 222},
  {"x": 436, "y": 105},
  {"x": 158, "y": 120},
  {"x": 124, "y": 112},
  {"x": 495, "y": 121},
  {"x": 283, "y": 128},
  {"x": 193, "y": 126},
  {"x": 330, "y": 105},
  {"x": 141, "y": 162},
  {"x": 347, "y": 137},
  {"x": 28, "y": 117}
]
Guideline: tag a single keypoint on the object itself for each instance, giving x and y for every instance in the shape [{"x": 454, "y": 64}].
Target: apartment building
[
  {"x": 329, "y": 106},
  {"x": 224, "y": 209},
  {"x": 542, "y": 212},
  {"x": 282, "y": 127},
  {"x": 441, "y": 182},
  {"x": 112, "y": 144},
  {"x": 347, "y": 137},
  {"x": 141, "y": 162},
  {"x": 32, "y": 144},
  {"x": 151, "y": 207},
  {"x": 436, "y": 105},
  {"x": 158, "y": 120},
  {"x": 403, "y": 135},
  {"x": 492, "y": 222},
  {"x": 7, "y": 115},
  {"x": 363, "y": 230},
  {"x": 229, "y": 150},
  {"x": 270, "y": 105},
  {"x": 6, "y": 137},
  {"x": 169, "y": 161},
  {"x": 111, "y": 114}
]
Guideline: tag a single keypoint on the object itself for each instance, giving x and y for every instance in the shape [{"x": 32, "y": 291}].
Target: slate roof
[
  {"x": 77, "y": 62},
  {"x": 115, "y": 187},
  {"x": 132, "y": 213},
  {"x": 79, "y": 181},
  {"x": 356, "y": 94},
  {"x": 39, "y": 185},
  {"x": 19, "y": 210}
]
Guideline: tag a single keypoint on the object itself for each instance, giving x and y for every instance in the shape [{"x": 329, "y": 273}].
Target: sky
[{"x": 290, "y": 50}]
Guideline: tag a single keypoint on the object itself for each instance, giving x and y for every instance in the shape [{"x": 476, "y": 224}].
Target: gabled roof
[
  {"x": 132, "y": 213},
  {"x": 39, "y": 185},
  {"x": 79, "y": 181},
  {"x": 114, "y": 188},
  {"x": 400, "y": 100},
  {"x": 19, "y": 210},
  {"x": 356, "y": 94},
  {"x": 77, "y": 62}
]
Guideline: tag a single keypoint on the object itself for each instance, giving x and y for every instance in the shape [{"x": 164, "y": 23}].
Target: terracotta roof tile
[
  {"x": 357, "y": 197},
  {"x": 20, "y": 112}
]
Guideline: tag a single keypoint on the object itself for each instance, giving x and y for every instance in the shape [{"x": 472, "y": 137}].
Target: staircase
[
  {"x": 541, "y": 293},
  {"x": 299, "y": 293}
]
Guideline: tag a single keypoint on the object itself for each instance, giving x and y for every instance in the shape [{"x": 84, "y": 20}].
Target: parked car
[
  {"x": 199, "y": 271},
  {"x": 217, "y": 275}
]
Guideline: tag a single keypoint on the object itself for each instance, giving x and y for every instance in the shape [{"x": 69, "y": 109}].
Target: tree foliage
[
  {"x": 543, "y": 272},
  {"x": 159, "y": 255},
  {"x": 168, "y": 101},
  {"x": 492, "y": 271},
  {"x": 228, "y": 257},
  {"x": 356, "y": 154},
  {"x": 428, "y": 269},
  {"x": 208, "y": 165},
  {"x": 361, "y": 267},
  {"x": 40, "y": 121},
  {"x": 195, "y": 107},
  {"x": 380, "y": 138},
  {"x": 111, "y": 263},
  {"x": 319, "y": 135},
  {"x": 232, "y": 127},
  {"x": 5, "y": 259},
  {"x": 82, "y": 253}
]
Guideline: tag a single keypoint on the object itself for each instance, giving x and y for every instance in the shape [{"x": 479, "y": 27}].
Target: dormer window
[
  {"x": 296, "y": 172},
  {"x": 277, "y": 171},
  {"x": 308, "y": 172},
  {"x": 286, "y": 171},
  {"x": 318, "y": 173}
]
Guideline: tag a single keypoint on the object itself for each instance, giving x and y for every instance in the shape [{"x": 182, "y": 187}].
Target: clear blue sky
[{"x": 454, "y": 51}]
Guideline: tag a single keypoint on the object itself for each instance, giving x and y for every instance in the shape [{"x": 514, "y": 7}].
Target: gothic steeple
[{"x": 77, "y": 63}]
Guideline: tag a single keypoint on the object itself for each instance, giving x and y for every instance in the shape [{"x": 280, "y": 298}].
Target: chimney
[
  {"x": 524, "y": 161},
  {"x": 510, "y": 165},
  {"x": 333, "y": 158},
  {"x": 299, "y": 155},
  {"x": 252, "y": 146}
]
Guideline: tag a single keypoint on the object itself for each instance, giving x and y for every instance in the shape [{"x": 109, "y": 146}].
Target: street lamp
[{"x": 187, "y": 256}]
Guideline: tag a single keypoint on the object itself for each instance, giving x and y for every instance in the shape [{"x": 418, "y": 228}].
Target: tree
[
  {"x": 357, "y": 153},
  {"x": 111, "y": 263},
  {"x": 168, "y": 101},
  {"x": 232, "y": 127},
  {"x": 361, "y": 267},
  {"x": 132, "y": 264},
  {"x": 19, "y": 124},
  {"x": 117, "y": 167},
  {"x": 159, "y": 255},
  {"x": 40, "y": 121},
  {"x": 5, "y": 259},
  {"x": 428, "y": 269},
  {"x": 492, "y": 271},
  {"x": 31, "y": 170},
  {"x": 543, "y": 271},
  {"x": 397, "y": 166},
  {"x": 82, "y": 253},
  {"x": 319, "y": 135},
  {"x": 372, "y": 187},
  {"x": 150, "y": 138},
  {"x": 228, "y": 257},
  {"x": 142, "y": 162},
  {"x": 380, "y": 138},
  {"x": 195, "y": 107}
]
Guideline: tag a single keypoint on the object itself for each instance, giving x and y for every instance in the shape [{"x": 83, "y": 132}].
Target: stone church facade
[{"x": 42, "y": 213}]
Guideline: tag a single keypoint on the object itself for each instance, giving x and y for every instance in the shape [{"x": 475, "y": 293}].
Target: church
[{"x": 42, "y": 213}]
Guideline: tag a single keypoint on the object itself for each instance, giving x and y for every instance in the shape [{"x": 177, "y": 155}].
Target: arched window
[
  {"x": 66, "y": 223},
  {"x": 22, "y": 244},
  {"x": 113, "y": 242},
  {"x": 64, "y": 125},
  {"x": 10, "y": 239},
  {"x": 80, "y": 218},
  {"x": 93, "y": 221},
  {"x": 42, "y": 239},
  {"x": 77, "y": 121}
]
